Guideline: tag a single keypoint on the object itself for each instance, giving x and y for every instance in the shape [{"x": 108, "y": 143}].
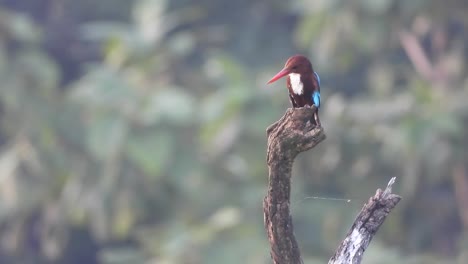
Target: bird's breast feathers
[
  {"x": 298, "y": 87},
  {"x": 296, "y": 83}
]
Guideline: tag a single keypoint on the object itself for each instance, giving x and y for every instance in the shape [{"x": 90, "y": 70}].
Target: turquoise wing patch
[
  {"x": 316, "y": 94},
  {"x": 316, "y": 98}
]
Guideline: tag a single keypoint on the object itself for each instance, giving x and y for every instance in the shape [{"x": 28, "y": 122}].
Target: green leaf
[
  {"x": 103, "y": 87},
  {"x": 308, "y": 27},
  {"x": 376, "y": 7},
  {"x": 151, "y": 150},
  {"x": 174, "y": 105},
  {"x": 20, "y": 26},
  {"x": 447, "y": 123},
  {"x": 40, "y": 70},
  {"x": 105, "y": 135}
]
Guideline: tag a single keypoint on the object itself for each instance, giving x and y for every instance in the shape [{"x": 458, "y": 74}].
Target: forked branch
[{"x": 292, "y": 134}]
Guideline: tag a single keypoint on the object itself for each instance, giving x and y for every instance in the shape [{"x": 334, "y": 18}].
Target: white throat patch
[{"x": 296, "y": 84}]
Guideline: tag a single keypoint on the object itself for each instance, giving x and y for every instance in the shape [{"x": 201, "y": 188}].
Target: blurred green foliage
[{"x": 134, "y": 131}]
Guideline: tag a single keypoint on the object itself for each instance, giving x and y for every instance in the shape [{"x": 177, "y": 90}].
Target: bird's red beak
[{"x": 279, "y": 75}]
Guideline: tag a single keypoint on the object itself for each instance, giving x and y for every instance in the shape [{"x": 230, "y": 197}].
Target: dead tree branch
[
  {"x": 291, "y": 135},
  {"x": 365, "y": 226}
]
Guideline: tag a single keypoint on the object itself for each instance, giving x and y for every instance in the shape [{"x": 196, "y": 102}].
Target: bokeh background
[{"x": 133, "y": 131}]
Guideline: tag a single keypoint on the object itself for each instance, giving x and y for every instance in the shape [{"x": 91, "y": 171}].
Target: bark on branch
[
  {"x": 289, "y": 136},
  {"x": 292, "y": 134}
]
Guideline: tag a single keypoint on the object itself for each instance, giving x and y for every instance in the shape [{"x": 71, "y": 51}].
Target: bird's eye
[{"x": 294, "y": 67}]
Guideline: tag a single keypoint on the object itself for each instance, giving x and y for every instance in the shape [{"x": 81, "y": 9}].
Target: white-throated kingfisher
[{"x": 303, "y": 83}]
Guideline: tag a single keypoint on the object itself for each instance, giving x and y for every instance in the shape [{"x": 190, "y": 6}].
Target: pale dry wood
[{"x": 365, "y": 226}]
